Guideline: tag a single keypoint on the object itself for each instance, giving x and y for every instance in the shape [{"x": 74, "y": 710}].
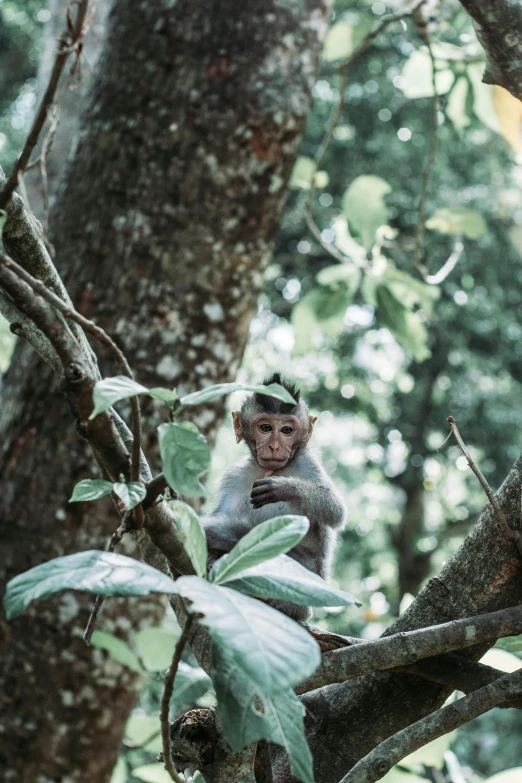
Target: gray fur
[{"x": 301, "y": 487}]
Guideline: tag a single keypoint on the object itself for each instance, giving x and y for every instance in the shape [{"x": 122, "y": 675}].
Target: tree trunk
[{"x": 162, "y": 231}]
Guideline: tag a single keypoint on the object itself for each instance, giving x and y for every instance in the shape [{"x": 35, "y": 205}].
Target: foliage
[{"x": 258, "y": 654}]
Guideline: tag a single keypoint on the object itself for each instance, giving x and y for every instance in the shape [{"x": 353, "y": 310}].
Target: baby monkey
[{"x": 280, "y": 476}]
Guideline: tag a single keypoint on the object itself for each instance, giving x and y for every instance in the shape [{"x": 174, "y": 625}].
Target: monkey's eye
[
  {"x": 265, "y": 427},
  {"x": 287, "y": 430}
]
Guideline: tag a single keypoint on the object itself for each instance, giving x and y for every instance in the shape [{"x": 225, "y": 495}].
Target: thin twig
[
  {"x": 168, "y": 689},
  {"x": 432, "y": 152},
  {"x": 100, "y": 334},
  {"x": 510, "y": 534},
  {"x": 125, "y": 527},
  {"x": 342, "y": 68},
  {"x": 70, "y": 41}
]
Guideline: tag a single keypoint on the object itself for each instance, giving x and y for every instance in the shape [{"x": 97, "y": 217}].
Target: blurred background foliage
[{"x": 383, "y": 356}]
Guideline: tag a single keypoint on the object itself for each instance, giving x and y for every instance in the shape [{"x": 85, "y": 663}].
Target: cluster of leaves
[{"x": 258, "y": 654}]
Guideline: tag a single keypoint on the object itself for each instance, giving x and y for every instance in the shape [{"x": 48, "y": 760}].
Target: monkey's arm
[{"x": 318, "y": 501}]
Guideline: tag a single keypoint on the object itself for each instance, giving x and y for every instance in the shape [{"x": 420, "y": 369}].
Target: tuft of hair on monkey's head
[
  {"x": 262, "y": 403},
  {"x": 272, "y": 404}
]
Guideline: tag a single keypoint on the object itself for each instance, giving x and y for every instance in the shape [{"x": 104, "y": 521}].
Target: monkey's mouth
[{"x": 269, "y": 462}]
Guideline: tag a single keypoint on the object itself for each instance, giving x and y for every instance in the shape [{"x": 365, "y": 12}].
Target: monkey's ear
[
  {"x": 238, "y": 429},
  {"x": 311, "y": 422}
]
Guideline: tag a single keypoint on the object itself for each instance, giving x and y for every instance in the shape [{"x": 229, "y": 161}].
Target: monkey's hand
[{"x": 275, "y": 489}]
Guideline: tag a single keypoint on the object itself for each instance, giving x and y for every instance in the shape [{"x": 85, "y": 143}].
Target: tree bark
[
  {"x": 162, "y": 231},
  {"x": 345, "y": 722}
]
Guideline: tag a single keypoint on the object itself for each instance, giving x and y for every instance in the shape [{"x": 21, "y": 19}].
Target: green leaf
[
  {"x": 459, "y": 221},
  {"x": 169, "y": 396},
  {"x": 155, "y": 647},
  {"x": 405, "y": 326},
  {"x": 285, "y": 579},
  {"x": 90, "y": 489},
  {"x": 272, "y": 650},
  {"x": 185, "y": 456},
  {"x": 197, "y": 777},
  {"x": 111, "y": 390},
  {"x": 409, "y": 291},
  {"x": 130, "y": 494},
  {"x": 191, "y": 684},
  {"x": 348, "y": 275},
  {"x": 343, "y": 38},
  {"x": 246, "y": 717},
  {"x": 365, "y": 209},
  {"x": 303, "y": 172},
  {"x": 265, "y": 541},
  {"x": 118, "y": 650},
  {"x": 192, "y": 535},
  {"x": 152, "y": 773},
  {"x": 101, "y": 573},
  {"x": 140, "y": 727},
  {"x": 119, "y": 773},
  {"x": 321, "y": 310},
  {"x": 212, "y": 393},
  {"x": 417, "y": 79}
]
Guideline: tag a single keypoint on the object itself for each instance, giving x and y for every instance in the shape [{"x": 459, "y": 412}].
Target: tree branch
[
  {"x": 380, "y": 760},
  {"x": 499, "y": 29},
  {"x": 408, "y": 647},
  {"x": 69, "y": 42},
  {"x": 511, "y": 535}
]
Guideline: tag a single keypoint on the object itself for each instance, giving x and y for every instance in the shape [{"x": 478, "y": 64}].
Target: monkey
[{"x": 280, "y": 476}]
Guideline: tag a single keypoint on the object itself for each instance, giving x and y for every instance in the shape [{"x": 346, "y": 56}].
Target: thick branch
[
  {"x": 380, "y": 760},
  {"x": 408, "y": 647},
  {"x": 499, "y": 28}
]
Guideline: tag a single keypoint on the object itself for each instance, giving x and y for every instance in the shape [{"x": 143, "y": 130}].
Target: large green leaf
[
  {"x": 103, "y": 573},
  {"x": 409, "y": 291},
  {"x": 191, "y": 684},
  {"x": 192, "y": 535},
  {"x": 212, "y": 393},
  {"x": 322, "y": 311},
  {"x": 111, "y": 390},
  {"x": 90, "y": 489},
  {"x": 185, "y": 456},
  {"x": 285, "y": 579},
  {"x": 118, "y": 650},
  {"x": 246, "y": 717},
  {"x": 265, "y": 541},
  {"x": 271, "y": 649},
  {"x": 405, "y": 326},
  {"x": 459, "y": 221},
  {"x": 155, "y": 647},
  {"x": 364, "y": 206},
  {"x": 130, "y": 494}
]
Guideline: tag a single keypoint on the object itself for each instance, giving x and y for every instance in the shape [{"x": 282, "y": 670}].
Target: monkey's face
[{"x": 274, "y": 439}]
